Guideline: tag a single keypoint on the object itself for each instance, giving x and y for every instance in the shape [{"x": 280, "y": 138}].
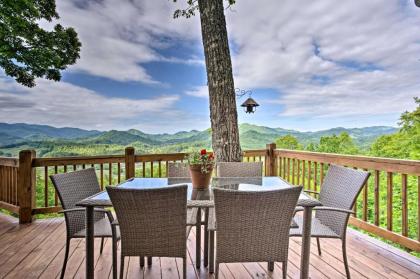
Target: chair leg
[
  {"x": 114, "y": 257},
  {"x": 270, "y": 266},
  {"x": 102, "y": 245},
  {"x": 216, "y": 275},
  {"x": 66, "y": 256},
  {"x": 122, "y": 267},
  {"x": 184, "y": 268},
  {"x": 346, "y": 264},
  {"x": 284, "y": 265},
  {"x": 319, "y": 246},
  {"x": 149, "y": 261},
  {"x": 141, "y": 261},
  {"x": 211, "y": 252}
]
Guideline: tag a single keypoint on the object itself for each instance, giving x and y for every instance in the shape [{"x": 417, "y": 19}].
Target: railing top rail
[
  {"x": 255, "y": 152},
  {"x": 377, "y": 163},
  {"x": 9, "y": 162},
  {"x": 60, "y": 161},
  {"x": 160, "y": 157}
]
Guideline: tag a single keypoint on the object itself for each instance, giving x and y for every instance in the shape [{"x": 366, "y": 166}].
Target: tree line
[{"x": 404, "y": 144}]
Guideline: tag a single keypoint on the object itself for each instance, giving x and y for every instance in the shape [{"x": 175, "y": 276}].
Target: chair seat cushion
[
  {"x": 317, "y": 229},
  {"x": 102, "y": 229}
]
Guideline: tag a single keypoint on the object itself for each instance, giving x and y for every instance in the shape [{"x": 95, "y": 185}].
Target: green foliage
[
  {"x": 192, "y": 7},
  {"x": 403, "y": 144},
  {"x": 26, "y": 50},
  {"x": 288, "y": 142},
  {"x": 342, "y": 144}
]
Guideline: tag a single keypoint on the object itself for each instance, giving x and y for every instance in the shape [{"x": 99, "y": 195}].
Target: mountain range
[{"x": 52, "y": 141}]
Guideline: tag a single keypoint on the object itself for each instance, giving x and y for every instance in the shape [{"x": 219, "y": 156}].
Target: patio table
[{"x": 202, "y": 199}]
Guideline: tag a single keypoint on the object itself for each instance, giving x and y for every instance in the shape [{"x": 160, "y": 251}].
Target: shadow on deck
[{"x": 36, "y": 251}]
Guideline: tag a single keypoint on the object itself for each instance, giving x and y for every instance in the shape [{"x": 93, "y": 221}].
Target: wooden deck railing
[
  {"x": 8, "y": 184},
  {"x": 388, "y": 205}
]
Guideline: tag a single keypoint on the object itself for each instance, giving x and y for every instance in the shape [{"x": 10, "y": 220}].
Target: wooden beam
[
  {"x": 389, "y": 235},
  {"x": 129, "y": 163},
  {"x": 364, "y": 162},
  {"x": 26, "y": 186},
  {"x": 9, "y": 207}
]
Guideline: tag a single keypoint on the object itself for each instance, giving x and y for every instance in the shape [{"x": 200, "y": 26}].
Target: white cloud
[
  {"x": 63, "y": 104},
  {"x": 118, "y": 37},
  {"x": 199, "y": 92},
  {"x": 368, "y": 61}
]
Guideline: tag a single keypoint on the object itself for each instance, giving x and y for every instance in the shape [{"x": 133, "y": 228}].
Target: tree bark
[{"x": 223, "y": 114}]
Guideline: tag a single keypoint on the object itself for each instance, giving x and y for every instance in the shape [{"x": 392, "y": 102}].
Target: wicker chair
[
  {"x": 239, "y": 169},
  {"x": 254, "y": 226},
  {"x": 152, "y": 222},
  {"x": 178, "y": 170},
  {"x": 71, "y": 188},
  {"x": 338, "y": 194}
]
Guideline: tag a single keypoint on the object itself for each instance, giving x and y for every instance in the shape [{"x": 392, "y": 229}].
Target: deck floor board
[{"x": 37, "y": 250}]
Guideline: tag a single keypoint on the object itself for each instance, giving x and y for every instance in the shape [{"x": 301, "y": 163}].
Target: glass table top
[{"x": 232, "y": 183}]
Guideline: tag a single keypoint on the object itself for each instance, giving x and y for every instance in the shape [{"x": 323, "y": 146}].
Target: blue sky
[{"x": 311, "y": 66}]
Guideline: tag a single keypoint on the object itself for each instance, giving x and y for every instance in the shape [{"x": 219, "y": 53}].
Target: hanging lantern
[{"x": 250, "y": 105}]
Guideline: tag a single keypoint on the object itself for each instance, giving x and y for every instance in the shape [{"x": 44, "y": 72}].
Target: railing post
[
  {"x": 129, "y": 162},
  {"x": 270, "y": 160},
  {"x": 26, "y": 185}
]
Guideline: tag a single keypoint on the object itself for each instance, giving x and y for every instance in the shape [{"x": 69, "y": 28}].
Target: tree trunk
[{"x": 223, "y": 114}]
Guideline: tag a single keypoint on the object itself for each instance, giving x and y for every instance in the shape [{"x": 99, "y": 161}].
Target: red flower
[
  {"x": 203, "y": 152},
  {"x": 211, "y": 156}
]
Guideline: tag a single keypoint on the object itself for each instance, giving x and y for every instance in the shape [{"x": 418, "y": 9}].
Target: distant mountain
[
  {"x": 32, "y": 132},
  {"x": 51, "y": 141}
]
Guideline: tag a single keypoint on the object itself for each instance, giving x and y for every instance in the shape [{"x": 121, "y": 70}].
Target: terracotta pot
[{"x": 200, "y": 180}]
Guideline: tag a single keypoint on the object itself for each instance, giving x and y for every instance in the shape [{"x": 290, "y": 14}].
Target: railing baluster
[
  {"x": 298, "y": 172},
  {"x": 144, "y": 169},
  {"x": 288, "y": 169},
  {"x": 55, "y": 192},
  {"x": 16, "y": 185},
  {"x": 418, "y": 208},
  {"x": 365, "y": 200},
  {"x": 151, "y": 168},
  {"x": 65, "y": 168},
  {"x": 74, "y": 167},
  {"x": 303, "y": 173},
  {"x": 357, "y": 198},
  {"x": 376, "y": 197},
  {"x": 110, "y": 174},
  {"x": 389, "y": 201},
  {"x": 293, "y": 171},
  {"x": 315, "y": 176},
  {"x": 102, "y": 175},
  {"x": 119, "y": 172},
  {"x": 46, "y": 186},
  {"x": 404, "y": 219},
  {"x": 309, "y": 174},
  {"x": 284, "y": 167},
  {"x": 160, "y": 168},
  {"x": 321, "y": 174}
]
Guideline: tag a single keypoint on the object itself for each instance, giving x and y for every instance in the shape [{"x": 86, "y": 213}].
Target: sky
[{"x": 311, "y": 65}]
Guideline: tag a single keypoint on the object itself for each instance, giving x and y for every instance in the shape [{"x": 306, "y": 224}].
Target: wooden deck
[{"x": 36, "y": 251}]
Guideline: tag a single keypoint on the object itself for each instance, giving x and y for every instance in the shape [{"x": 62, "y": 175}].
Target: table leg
[
  {"x": 198, "y": 239},
  {"x": 206, "y": 238},
  {"x": 89, "y": 242},
  {"x": 306, "y": 242}
]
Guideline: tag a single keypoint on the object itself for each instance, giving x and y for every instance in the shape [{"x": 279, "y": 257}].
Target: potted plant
[{"x": 201, "y": 167}]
